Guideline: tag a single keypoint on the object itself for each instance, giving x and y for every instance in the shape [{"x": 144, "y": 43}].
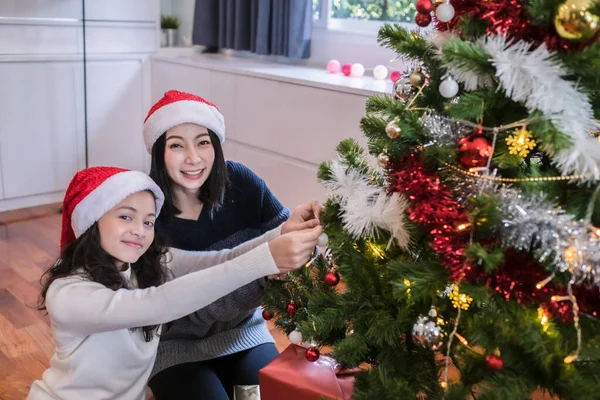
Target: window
[{"x": 364, "y": 10}]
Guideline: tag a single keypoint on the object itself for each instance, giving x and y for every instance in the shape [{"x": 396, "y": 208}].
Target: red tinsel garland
[
  {"x": 434, "y": 208},
  {"x": 510, "y": 18}
]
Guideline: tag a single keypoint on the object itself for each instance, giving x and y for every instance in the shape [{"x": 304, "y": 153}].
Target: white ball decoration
[
  {"x": 444, "y": 12},
  {"x": 357, "y": 70},
  {"x": 380, "y": 72},
  {"x": 448, "y": 88},
  {"x": 323, "y": 240},
  {"x": 295, "y": 336}
]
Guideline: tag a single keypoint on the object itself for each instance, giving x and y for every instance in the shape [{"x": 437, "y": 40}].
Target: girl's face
[
  {"x": 127, "y": 230},
  {"x": 189, "y": 156}
]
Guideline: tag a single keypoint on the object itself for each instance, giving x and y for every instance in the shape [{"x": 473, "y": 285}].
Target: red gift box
[{"x": 291, "y": 376}]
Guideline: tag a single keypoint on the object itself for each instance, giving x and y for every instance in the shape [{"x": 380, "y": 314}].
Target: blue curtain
[{"x": 268, "y": 27}]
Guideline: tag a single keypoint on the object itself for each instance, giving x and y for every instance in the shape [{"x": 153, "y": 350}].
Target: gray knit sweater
[{"x": 234, "y": 322}]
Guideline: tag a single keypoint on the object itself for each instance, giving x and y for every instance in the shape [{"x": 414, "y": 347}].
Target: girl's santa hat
[
  {"x": 176, "y": 108},
  {"x": 95, "y": 191}
]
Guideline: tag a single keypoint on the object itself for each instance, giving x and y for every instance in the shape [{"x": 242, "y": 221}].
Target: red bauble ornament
[
  {"x": 394, "y": 76},
  {"x": 474, "y": 151},
  {"x": 424, "y": 6},
  {"x": 267, "y": 315},
  {"x": 312, "y": 354},
  {"x": 494, "y": 363},
  {"x": 332, "y": 278},
  {"x": 423, "y": 20},
  {"x": 346, "y": 68},
  {"x": 291, "y": 309}
]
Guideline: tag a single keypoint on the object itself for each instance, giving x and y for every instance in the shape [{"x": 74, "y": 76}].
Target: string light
[
  {"x": 570, "y": 359},
  {"x": 515, "y": 180},
  {"x": 545, "y": 281},
  {"x": 444, "y": 383},
  {"x": 462, "y": 340},
  {"x": 376, "y": 250},
  {"x": 407, "y": 284},
  {"x": 543, "y": 319},
  {"x": 463, "y": 226},
  {"x": 575, "y": 356}
]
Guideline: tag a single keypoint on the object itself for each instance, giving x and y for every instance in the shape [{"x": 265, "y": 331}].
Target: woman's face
[
  {"x": 127, "y": 230},
  {"x": 189, "y": 156}
]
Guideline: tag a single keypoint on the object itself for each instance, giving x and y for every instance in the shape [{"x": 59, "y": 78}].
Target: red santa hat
[
  {"x": 176, "y": 108},
  {"x": 95, "y": 191}
]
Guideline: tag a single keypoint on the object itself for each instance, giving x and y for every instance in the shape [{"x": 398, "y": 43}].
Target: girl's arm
[{"x": 84, "y": 307}]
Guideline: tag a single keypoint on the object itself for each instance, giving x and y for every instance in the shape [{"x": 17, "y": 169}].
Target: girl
[
  {"x": 210, "y": 204},
  {"x": 108, "y": 293}
]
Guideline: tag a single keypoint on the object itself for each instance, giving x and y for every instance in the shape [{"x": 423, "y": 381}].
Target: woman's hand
[
  {"x": 292, "y": 250},
  {"x": 305, "y": 216}
]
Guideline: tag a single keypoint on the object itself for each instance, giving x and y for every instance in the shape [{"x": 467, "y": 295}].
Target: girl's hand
[
  {"x": 292, "y": 250},
  {"x": 305, "y": 216}
]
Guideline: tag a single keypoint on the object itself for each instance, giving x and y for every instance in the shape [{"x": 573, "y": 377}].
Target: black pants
[{"x": 212, "y": 379}]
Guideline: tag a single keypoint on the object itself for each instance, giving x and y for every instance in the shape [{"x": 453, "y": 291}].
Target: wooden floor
[{"x": 28, "y": 245}]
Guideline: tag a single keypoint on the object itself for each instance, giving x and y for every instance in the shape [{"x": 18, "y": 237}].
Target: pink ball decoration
[
  {"x": 346, "y": 69},
  {"x": 334, "y": 66},
  {"x": 394, "y": 76}
]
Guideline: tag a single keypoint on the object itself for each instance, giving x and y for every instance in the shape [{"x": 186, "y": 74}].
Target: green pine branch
[
  {"x": 467, "y": 56},
  {"x": 411, "y": 45},
  {"x": 542, "y": 12}
]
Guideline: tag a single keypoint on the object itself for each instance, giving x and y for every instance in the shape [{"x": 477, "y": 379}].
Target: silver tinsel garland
[
  {"x": 531, "y": 223},
  {"x": 444, "y": 131}
]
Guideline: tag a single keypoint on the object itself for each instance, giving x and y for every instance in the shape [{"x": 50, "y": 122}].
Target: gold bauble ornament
[
  {"x": 392, "y": 130},
  {"x": 417, "y": 78},
  {"x": 383, "y": 160},
  {"x": 573, "y": 21}
]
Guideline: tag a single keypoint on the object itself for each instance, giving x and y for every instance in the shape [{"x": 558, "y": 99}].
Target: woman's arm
[{"x": 182, "y": 262}]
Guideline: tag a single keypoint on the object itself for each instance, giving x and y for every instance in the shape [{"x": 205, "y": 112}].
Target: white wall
[
  {"x": 166, "y": 7},
  {"x": 184, "y": 9}
]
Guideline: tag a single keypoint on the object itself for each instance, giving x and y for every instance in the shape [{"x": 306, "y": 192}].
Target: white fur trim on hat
[
  {"x": 110, "y": 193},
  {"x": 181, "y": 112}
]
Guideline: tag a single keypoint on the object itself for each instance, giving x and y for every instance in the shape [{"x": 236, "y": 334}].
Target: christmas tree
[{"x": 467, "y": 264}]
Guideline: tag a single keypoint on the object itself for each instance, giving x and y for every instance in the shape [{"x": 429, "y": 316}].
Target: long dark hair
[
  {"x": 85, "y": 256},
  {"x": 212, "y": 191}
]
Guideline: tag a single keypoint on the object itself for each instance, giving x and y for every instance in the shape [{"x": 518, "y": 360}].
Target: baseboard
[{"x": 31, "y": 201}]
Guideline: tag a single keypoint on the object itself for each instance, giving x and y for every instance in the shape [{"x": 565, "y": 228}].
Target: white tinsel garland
[{"x": 367, "y": 208}]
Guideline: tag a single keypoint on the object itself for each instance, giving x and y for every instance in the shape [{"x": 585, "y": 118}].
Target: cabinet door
[
  {"x": 115, "y": 102},
  {"x": 40, "y": 126},
  {"x": 119, "y": 10},
  {"x": 41, "y": 9}
]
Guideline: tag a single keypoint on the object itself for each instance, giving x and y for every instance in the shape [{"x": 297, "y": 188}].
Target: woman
[{"x": 210, "y": 204}]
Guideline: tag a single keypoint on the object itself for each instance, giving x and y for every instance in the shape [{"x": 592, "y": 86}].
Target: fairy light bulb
[
  {"x": 543, "y": 283},
  {"x": 570, "y": 359}
]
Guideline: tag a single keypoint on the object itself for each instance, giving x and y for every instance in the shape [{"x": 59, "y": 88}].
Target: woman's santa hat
[
  {"x": 95, "y": 191},
  {"x": 176, "y": 108}
]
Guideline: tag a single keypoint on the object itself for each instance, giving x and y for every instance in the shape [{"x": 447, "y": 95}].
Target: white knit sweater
[{"x": 98, "y": 356}]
